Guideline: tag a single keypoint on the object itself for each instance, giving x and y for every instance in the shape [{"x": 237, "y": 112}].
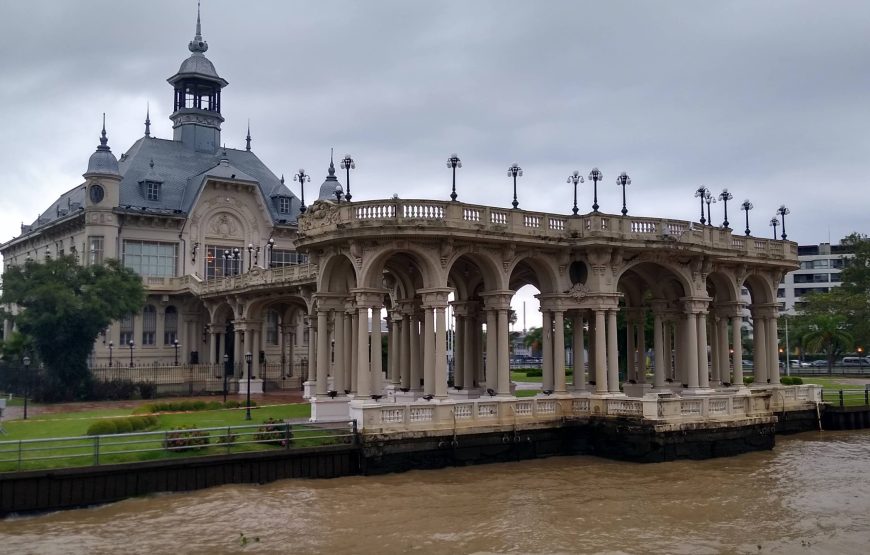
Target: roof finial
[
  {"x": 197, "y": 44},
  {"x": 248, "y": 138},
  {"x": 103, "y": 139},
  {"x": 331, "y": 164},
  {"x": 148, "y": 119},
  {"x": 282, "y": 179}
]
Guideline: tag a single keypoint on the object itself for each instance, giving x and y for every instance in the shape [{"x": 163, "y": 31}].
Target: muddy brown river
[{"x": 809, "y": 495}]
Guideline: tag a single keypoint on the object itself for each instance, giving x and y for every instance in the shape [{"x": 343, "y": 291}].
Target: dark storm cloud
[{"x": 768, "y": 99}]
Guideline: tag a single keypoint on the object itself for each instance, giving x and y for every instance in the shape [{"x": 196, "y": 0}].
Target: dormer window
[
  {"x": 152, "y": 190},
  {"x": 284, "y": 205}
]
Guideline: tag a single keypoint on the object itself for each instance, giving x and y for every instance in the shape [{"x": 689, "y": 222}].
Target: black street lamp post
[
  {"x": 131, "y": 353},
  {"x": 575, "y": 178},
  {"x": 709, "y": 199},
  {"x": 111, "y": 346},
  {"x": 248, "y": 359},
  {"x": 270, "y": 245},
  {"x": 302, "y": 177},
  {"x": 622, "y": 180},
  {"x": 253, "y": 255},
  {"x": 747, "y": 206},
  {"x": 226, "y": 371},
  {"x": 700, "y": 193},
  {"x": 454, "y": 162},
  {"x": 348, "y": 164},
  {"x": 725, "y": 196},
  {"x": 514, "y": 170},
  {"x": 774, "y": 222},
  {"x": 783, "y": 211},
  {"x": 26, "y": 361},
  {"x": 595, "y": 176},
  {"x": 175, "y": 344},
  {"x": 338, "y": 193}
]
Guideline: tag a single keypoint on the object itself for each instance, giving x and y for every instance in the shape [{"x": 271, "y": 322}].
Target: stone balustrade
[
  {"x": 259, "y": 278},
  {"x": 459, "y": 217},
  {"x": 666, "y": 408}
]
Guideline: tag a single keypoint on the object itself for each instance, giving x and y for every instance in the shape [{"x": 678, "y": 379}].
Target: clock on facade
[{"x": 96, "y": 193}]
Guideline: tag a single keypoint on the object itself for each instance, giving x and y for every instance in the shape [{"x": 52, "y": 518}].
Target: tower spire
[
  {"x": 331, "y": 164},
  {"x": 148, "y": 119},
  {"x": 104, "y": 141},
  {"x": 248, "y": 138},
  {"x": 197, "y": 44}
]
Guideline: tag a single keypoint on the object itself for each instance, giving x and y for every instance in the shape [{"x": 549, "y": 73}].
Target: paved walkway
[{"x": 16, "y": 412}]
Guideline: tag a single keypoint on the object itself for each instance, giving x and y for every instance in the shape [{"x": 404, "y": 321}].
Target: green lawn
[
  {"x": 853, "y": 393},
  {"x": 527, "y": 392}
]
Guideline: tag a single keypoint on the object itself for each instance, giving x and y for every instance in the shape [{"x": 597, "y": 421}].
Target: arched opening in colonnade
[{"x": 764, "y": 314}]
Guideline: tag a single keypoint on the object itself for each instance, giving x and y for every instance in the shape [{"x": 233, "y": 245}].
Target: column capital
[
  {"x": 435, "y": 297},
  {"x": 555, "y": 302},
  {"x": 369, "y": 297},
  {"x": 729, "y": 309},
  {"x": 497, "y": 299},
  {"x": 695, "y": 305},
  {"x": 768, "y": 310},
  {"x": 330, "y": 301}
]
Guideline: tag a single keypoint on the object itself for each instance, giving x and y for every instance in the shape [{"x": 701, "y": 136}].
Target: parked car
[
  {"x": 819, "y": 363},
  {"x": 747, "y": 363},
  {"x": 853, "y": 361}
]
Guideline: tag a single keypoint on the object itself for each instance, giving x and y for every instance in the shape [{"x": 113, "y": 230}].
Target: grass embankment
[
  {"x": 853, "y": 393},
  {"x": 106, "y": 450}
]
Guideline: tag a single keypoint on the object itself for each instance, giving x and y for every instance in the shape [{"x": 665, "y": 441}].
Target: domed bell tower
[
  {"x": 197, "y": 116},
  {"x": 102, "y": 196}
]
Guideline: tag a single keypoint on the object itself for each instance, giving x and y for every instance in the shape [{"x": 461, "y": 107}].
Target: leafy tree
[
  {"x": 822, "y": 325},
  {"x": 64, "y": 307},
  {"x": 534, "y": 340}
]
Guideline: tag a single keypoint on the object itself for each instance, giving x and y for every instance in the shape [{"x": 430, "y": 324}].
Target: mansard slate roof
[{"x": 181, "y": 171}]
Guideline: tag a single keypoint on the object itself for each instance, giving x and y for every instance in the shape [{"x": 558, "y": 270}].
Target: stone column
[
  {"x": 668, "y": 354},
  {"x": 428, "y": 351},
  {"x": 722, "y": 335},
  {"x": 659, "y": 350},
  {"x": 441, "y": 350},
  {"x": 600, "y": 352},
  {"x": 363, "y": 371},
  {"x": 504, "y": 376},
  {"x": 469, "y": 348},
  {"x": 406, "y": 350},
  {"x": 630, "y": 363},
  {"x": 492, "y": 348},
  {"x": 340, "y": 372},
  {"x": 641, "y": 349},
  {"x": 579, "y": 381},
  {"x": 559, "y": 351},
  {"x": 416, "y": 352},
  {"x": 238, "y": 353},
  {"x": 312, "y": 348},
  {"x": 547, "y": 337},
  {"x": 459, "y": 347},
  {"x": 612, "y": 353},
  {"x": 212, "y": 346},
  {"x": 713, "y": 342},
  {"x": 703, "y": 366},
  {"x": 690, "y": 348},
  {"x": 759, "y": 351},
  {"x": 396, "y": 349},
  {"x": 737, "y": 342},
  {"x": 772, "y": 331},
  {"x": 248, "y": 341},
  {"x": 355, "y": 350},
  {"x": 322, "y": 385},
  {"x": 376, "y": 356}
]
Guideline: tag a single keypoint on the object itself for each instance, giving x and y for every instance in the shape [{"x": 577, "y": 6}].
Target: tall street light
[
  {"x": 774, "y": 222},
  {"x": 454, "y": 162},
  {"x": 348, "y": 164},
  {"x": 302, "y": 177},
  {"x": 725, "y": 196},
  {"x": 338, "y": 192},
  {"x": 175, "y": 344},
  {"x": 26, "y": 361},
  {"x": 622, "y": 180},
  {"x": 575, "y": 178},
  {"x": 111, "y": 346},
  {"x": 595, "y": 176},
  {"x": 746, "y": 207},
  {"x": 131, "y": 353},
  {"x": 248, "y": 359},
  {"x": 783, "y": 211},
  {"x": 709, "y": 199},
  {"x": 514, "y": 170},
  {"x": 700, "y": 193}
]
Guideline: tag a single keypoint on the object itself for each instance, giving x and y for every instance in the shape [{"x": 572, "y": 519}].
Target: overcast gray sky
[{"x": 767, "y": 98}]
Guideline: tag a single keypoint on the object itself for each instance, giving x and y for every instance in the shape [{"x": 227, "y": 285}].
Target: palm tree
[
  {"x": 826, "y": 334},
  {"x": 534, "y": 339}
]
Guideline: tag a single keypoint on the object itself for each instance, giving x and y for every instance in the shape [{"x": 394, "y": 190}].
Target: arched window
[
  {"x": 149, "y": 324},
  {"x": 170, "y": 325},
  {"x": 126, "y": 329}
]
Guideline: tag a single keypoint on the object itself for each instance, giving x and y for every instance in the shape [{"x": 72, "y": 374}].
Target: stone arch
[
  {"x": 721, "y": 288},
  {"x": 534, "y": 269},
  {"x": 761, "y": 289},
  {"x": 337, "y": 274},
  {"x": 490, "y": 276},
  {"x": 664, "y": 280},
  {"x": 430, "y": 272}
]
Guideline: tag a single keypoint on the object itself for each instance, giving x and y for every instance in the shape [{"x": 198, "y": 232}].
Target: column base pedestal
[
  {"x": 636, "y": 389},
  {"x": 325, "y": 409},
  {"x": 256, "y": 386},
  {"x": 465, "y": 394}
]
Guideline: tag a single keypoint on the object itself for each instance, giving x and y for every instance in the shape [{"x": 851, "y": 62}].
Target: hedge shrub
[
  {"x": 791, "y": 380},
  {"x": 274, "y": 432},
  {"x": 124, "y": 425},
  {"x": 188, "y": 406},
  {"x": 748, "y": 379},
  {"x": 185, "y": 437}
]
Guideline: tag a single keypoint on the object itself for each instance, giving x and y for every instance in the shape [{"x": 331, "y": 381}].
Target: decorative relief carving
[
  {"x": 225, "y": 225},
  {"x": 578, "y": 291}
]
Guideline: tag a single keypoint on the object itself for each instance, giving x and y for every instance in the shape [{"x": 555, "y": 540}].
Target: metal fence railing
[
  {"x": 847, "y": 397},
  {"x": 36, "y": 454}
]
